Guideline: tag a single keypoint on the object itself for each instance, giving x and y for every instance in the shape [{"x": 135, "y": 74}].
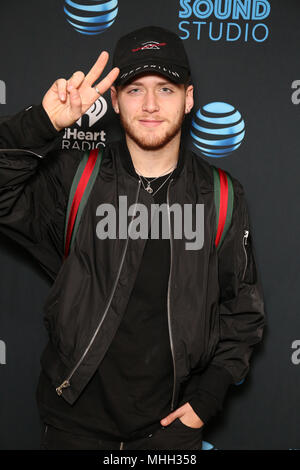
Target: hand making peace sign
[{"x": 67, "y": 100}]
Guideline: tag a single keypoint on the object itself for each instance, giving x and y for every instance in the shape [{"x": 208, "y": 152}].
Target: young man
[{"x": 145, "y": 335}]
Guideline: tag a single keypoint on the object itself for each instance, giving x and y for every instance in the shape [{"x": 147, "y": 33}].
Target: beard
[{"x": 153, "y": 141}]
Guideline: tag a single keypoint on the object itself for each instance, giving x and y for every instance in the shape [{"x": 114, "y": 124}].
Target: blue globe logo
[
  {"x": 217, "y": 129},
  {"x": 91, "y": 17},
  {"x": 208, "y": 446}
]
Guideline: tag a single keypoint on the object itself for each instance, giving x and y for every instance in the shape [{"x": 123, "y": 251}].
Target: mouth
[{"x": 150, "y": 122}]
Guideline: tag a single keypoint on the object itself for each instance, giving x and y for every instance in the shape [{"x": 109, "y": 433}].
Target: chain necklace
[{"x": 148, "y": 188}]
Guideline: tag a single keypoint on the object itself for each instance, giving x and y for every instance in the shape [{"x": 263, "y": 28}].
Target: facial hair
[{"x": 153, "y": 142}]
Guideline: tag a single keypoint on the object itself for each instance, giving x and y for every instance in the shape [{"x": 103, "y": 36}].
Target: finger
[
  {"x": 76, "y": 79},
  {"x": 75, "y": 103},
  {"x": 97, "y": 68},
  {"x": 61, "y": 85},
  {"x": 107, "y": 81},
  {"x": 169, "y": 419}
]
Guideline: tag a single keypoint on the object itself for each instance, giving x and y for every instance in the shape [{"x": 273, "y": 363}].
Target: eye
[
  {"x": 167, "y": 90},
  {"x": 133, "y": 91}
]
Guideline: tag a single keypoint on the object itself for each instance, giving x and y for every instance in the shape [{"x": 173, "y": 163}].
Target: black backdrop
[{"x": 259, "y": 75}]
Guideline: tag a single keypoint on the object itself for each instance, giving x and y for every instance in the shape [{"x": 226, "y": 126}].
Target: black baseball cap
[{"x": 151, "y": 49}]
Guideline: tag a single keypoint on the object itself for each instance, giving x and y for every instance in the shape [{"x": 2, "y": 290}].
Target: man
[{"x": 145, "y": 335}]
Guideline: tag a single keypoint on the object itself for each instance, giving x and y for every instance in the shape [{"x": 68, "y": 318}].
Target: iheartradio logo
[{"x": 95, "y": 112}]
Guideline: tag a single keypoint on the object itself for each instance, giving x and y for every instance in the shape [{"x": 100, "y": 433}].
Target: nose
[{"x": 150, "y": 103}]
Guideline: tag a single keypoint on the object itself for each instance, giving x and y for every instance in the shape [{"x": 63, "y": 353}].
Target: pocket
[
  {"x": 185, "y": 427},
  {"x": 176, "y": 436}
]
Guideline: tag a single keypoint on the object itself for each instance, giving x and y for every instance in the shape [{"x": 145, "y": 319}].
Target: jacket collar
[{"x": 128, "y": 164}]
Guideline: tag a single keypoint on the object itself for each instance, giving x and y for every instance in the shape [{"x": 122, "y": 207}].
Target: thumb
[{"x": 170, "y": 418}]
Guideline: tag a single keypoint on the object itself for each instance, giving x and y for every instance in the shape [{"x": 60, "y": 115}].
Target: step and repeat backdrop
[{"x": 245, "y": 66}]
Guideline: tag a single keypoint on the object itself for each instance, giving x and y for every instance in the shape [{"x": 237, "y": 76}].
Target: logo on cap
[{"x": 149, "y": 45}]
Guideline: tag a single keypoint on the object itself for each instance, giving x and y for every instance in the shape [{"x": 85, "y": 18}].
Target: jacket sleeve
[
  {"x": 33, "y": 190},
  {"x": 241, "y": 316}
]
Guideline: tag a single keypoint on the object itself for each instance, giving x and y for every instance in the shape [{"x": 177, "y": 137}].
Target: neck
[{"x": 153, "y": 163}]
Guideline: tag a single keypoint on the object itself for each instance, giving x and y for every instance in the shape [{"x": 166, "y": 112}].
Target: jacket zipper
[
  {"x": 66, "y": 382},
  {"x": 245, "y": 241},
  {"x": 22, "y": 151},
  {"x": 168, "y": 299}
]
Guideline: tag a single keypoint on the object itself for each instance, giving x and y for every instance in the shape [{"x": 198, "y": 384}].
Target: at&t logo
[
  {"x": 91, "y": 17},
  {"x": 208, "y": 446},
  {"x": 217, "y": 129}
]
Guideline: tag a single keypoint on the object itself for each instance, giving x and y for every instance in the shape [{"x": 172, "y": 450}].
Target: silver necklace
[
  {"x": 148, "y": 188},
  {"x": 159, "y": 186}
]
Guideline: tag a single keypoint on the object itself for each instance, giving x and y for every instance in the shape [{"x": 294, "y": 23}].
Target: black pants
[{"x": 176, "y": 436}]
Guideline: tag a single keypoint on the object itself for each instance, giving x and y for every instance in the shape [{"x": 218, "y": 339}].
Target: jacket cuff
[
  {"x": 206, "y": 391},
  {"x": 40, "y": 121}
]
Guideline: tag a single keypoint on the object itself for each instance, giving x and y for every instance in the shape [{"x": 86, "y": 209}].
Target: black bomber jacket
[{"x": 215, "y": 301}]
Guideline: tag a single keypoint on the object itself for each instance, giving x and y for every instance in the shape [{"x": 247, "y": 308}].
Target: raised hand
[{"x": 67, "y": 100}]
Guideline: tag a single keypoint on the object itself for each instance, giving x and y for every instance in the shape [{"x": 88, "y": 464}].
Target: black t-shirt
[{"x": 132, "y": 389}]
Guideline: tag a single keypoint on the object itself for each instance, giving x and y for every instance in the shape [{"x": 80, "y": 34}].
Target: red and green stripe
[
  {"x": 224, "y": 195},
  {"x": 82, "y": 185}
]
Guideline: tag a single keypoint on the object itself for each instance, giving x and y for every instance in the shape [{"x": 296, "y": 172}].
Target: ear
[
  {"x": 189, "y": 99},
  {"x": 114, "y": 99}
]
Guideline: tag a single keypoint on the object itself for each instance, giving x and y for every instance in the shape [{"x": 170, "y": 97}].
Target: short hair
[{"x": 188, "y": 82}]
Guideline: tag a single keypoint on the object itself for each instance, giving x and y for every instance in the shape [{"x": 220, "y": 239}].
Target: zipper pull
[
  {"x": 245, "y": 240},
  {"x": 59, "y": 389}
]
